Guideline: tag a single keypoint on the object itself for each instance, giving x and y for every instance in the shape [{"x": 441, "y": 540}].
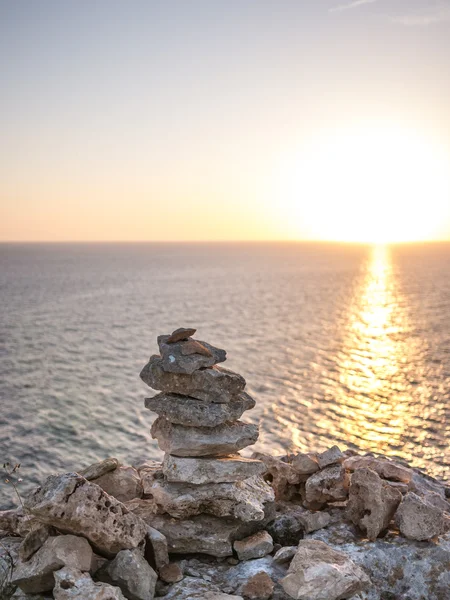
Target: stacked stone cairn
[{"x": 207, "y": 495}]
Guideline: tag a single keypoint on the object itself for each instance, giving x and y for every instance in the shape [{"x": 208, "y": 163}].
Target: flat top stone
[
  {"x": 182, "y": 333},
  {"x": 187, "y": 356}
]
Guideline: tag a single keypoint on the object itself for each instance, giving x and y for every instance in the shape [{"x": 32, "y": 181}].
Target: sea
[{"x": 339, "y": 343}]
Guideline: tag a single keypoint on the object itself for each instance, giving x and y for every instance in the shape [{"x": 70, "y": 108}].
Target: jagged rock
[
  {"x": 331, "y": 456},
  {"x": 258, "y": 587},
  {"x": 33, "y": 541},
  {"x": 180, "y": 334},
  {"x": 73, "y": 584},
  {"x": 285, "y": 554},
  {"x": 417, "y": 519},
  {"x": 131, "y": 573},
  {"x": 387, "y": 469},
  {"x": 175, "y": 358},
  {"x": 203, "y": 441},
  {"x": 144, "y": 508},
  {"x": 156, "y": 549},
  {"x": 16, "y": 522},
  {"x": 429, "y": 488},
  {"x": 101, "y": 468},
  {"x": 206, "y": 534},
  {"x": 9, "y": 520},
  {"x": 191, "y": 588},
  {"x": 282, "y": 474},
  {"x": 19, "y": 595},
  {"x": 210, "y": 470},
  {"x": 317, "y": 572},
  {"x": 328, "y": 485},
  {"x": 171, "y": 573},
  {"x": 305, "y": 464},
  {"x": 220, "y": 596},
  {"x": 285, "y": 530},
  {"x": 191, "y": 412},
  {"x": 123, "y": 483},
  {"x": 36, "y": 575},
  {"x": 240, "y": 499},
  {"x": 210, "y": 385},
  {"x": 372, "y": 502},
  {"x": 75, "y": 505},
  {"x": 148, "y": 474},
  {"x": 312, "y": 521},
  {"x": 256, "y": 546}
]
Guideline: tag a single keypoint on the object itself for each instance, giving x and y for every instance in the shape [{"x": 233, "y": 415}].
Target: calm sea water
[{"x": 338, "y": 343}]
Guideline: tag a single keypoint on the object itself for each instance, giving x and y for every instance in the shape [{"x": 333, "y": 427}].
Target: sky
[{"x": 224, "y": 120}]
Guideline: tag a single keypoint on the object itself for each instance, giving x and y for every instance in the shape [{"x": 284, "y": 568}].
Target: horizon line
[{"x": 225, "y": 241}]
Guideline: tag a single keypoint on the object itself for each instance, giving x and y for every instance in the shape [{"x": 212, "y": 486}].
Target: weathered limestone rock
[
  {"x": 210, "y": 470},
  {"x": 203, "y": 441},
  {"x": 33, "y": 541},
  {"x": 305, "y": 464},
  {"x": 317, "y": 572},
  {"x": 331, "y": 456},
  {"x": 191, "y": 412},
  {"x": 256, "y": 546},
  {"x": 372, "y": 502},
  {"x": 131, "y": 573},
  {"x": 180, "y": 334},
  {"x": 148, "y": 474},
  {"x": 73, "y": 584},
  {"x": 285, "y": 530},
  {"x": 240, "y": 499},
  {"x": 123, "y": 483},
  {"x": 220, "y": 596},
  {"x": 177, "y": 357},
  {"x": 312, "y": 520},
  {"x": 282, "y": 474},
  {"x": 210, "y": 385},
  {"x": 387, "y": 469},
  {"x": 417, "y": 519},
  {"x": 328, "y": 485},
  {"x": 156, "y": 549},
  {"x": 191, "y": 588},
  {"x": 258, "y": 587},
  {"x": 285, "y": 554},
  {"x": 75, "y": 505},
  {"x": 36, "y": 575},
  {"x": 98, "y": 469},
  {"x": 171, "y": 573}
]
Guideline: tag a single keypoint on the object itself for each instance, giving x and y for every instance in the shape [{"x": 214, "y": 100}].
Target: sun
[{"x": 368, "y": 184}]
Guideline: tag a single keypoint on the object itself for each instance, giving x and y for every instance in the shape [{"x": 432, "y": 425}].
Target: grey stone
[
  {"x": 191, "y": 412},
  {"x": 318, "y": 572},
  {"x": 175, "y": 359},
  {"x": 285, "y": 554},
  {"x": 191, "y": 588},
  {"x": 328, "y": 485},
  {"x": 75, "y": 505},
  {"x": 283, "y": 475},
  {"x": 258, "y": 587},
  {"x": 36, "y": 575},
  {"x": 101, "y": 468},
  {"x": 220, "y": 596},
  {"x": 243, "y": 500},
  {"x": 331, "y": 456},
  {"x": 73, "y": 584},
  {"x": 285, "y": 530},
  {"x": 387, "y": 469},
  {"x": 305, "y": 464},
  {"x": 131, "y": 573},
  {"x": 182, "y": 333},
  {"x": 372, "y": 502},
  {"x": 255, "y": 546},
  {"x": 417, "y": 519},
  {"x": 123, "y": 483},
  {"x": 156, "y": 548},
  {"x": 203, "y": 441},
  {"x": 313, "y": 520},
  {"x": 33, "y": 541},
  {"x": 210, "y": 385},
  {"x": 210, "y": 470},
  {"x": 171, "y": 573}
]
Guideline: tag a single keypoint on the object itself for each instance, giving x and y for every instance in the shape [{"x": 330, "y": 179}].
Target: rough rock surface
[
  {"x": 171, "y": 573},
  {"x": 387, "y": 469},
  {"x": 191, "y": 412},
  {"x": 203, "y": 441},
  {"x": 131, "y": 573},
  {"x": 256, "y": 546},
  {"x": 317, "y": 572},
  {"x": 258, "y": 587},
  {"x": 240, "y": 499},
  {"x": 33, "y": 541},
  {"x": 75, "y": 505},
  {"x": 156, "y": 549},
  {"x": 305, "y": 464},
  {"x": 210, "y": 385},
  {"x": 36, "y": 575},
  {"x": 285, "y": 554},
  {"x": 99, "y": 469},
  {"x": 210, "y": 470},
  {"x": 180, "y": 334},
  {"x": 71, "y": 583},
  {"x": 372, "y": 502},
  {"x": 285, "y": 530},
  {"x": 282, "y": 474},
  {"x": 177, "y": 359},
  {"x": 328, "y": 485},
  {"x": 417, "y": 519},
  {"x": 123, "y": 483},
  {"x": 331, "y": 456}
]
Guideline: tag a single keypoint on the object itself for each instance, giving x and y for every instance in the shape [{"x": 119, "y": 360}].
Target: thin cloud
[
  {"x": 438, "y": 14},
  {"x": 350, "y": 5}
]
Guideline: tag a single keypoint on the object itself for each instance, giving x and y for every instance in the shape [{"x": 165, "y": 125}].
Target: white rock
[
  {"x": 256, "y": 546},
  {"x": 73, "y": 584},
  {"x": 123, "y": 483},
  {"x": 131, "y": 573},
  {"x": 201, "y": 470}
]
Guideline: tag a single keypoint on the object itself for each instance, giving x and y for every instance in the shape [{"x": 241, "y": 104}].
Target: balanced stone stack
[{"x": 207, "y": 494}]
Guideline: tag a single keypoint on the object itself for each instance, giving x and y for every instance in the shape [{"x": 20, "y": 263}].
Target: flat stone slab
[
  {"x": 191, "y": 412},
  {"x": 242, "y": 500},
  {"x": 203, "y": 441},
  {"x": 210, "y": 470},
  {"x": 187, "y": 356},
  {"x": 182, "y": 333},
  {"x": 210, "y": 385}
]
